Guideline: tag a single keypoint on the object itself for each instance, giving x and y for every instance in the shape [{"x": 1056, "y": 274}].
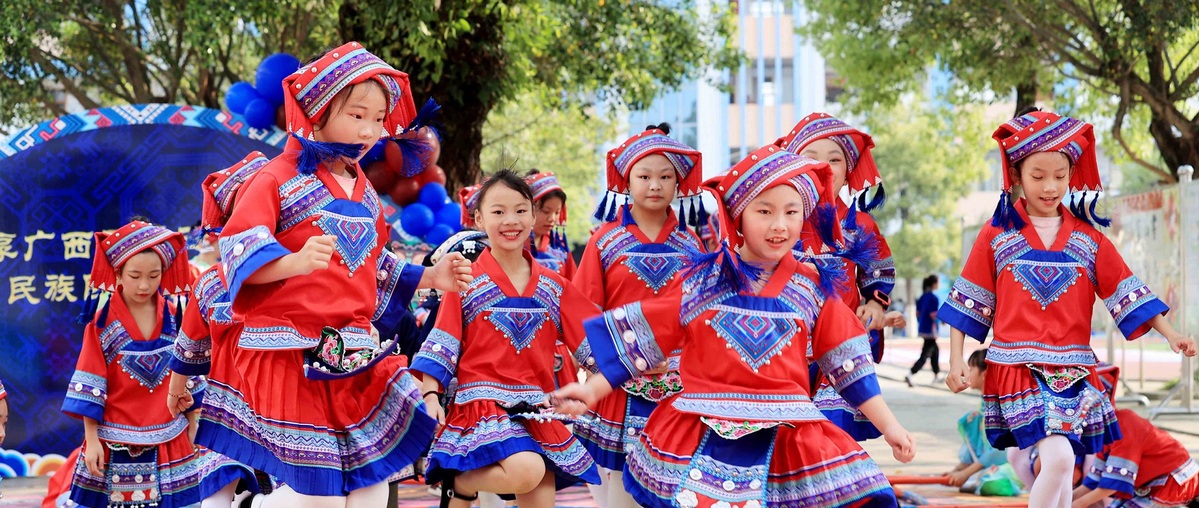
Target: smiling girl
[
  {"x": 744, "y": 431},
  {"x": 1032, "y": 277},
  {"x": 498, "y": 338}
]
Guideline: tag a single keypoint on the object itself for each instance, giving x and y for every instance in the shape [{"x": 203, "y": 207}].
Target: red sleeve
[
  {"x": 569, "y": 267},
  {"x": 87, "y": 393},
  {"x": 1129, "y": 300},
  {"x": 971, "y": 303},
  {"x": 438, "y": 356},
  {"x": 575, "y": 308},
  {"x": 248, "y": 239},
  {"x": 193, "y": 344},
  {"x": 842, "y": 349},
  {"x": 624, "y": 342}
]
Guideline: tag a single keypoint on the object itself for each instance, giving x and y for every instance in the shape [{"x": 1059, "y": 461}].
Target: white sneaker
[
  {"x": 938, "y": 379},
  {"x": 908, "y": 380}
]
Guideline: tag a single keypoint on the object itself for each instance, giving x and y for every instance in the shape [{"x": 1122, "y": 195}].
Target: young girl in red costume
[
  {"x": 744, "y": 431},
  {"x": 637, "y": 257},
  {"x": 550, "y": 249},
  {"x": 323, "y": 408},
  {"x": 867, "y": 261},
  {"x": 206, "y": 345},
  {"x": 498, "y": 337},
  {"x": 548, "y": 242},
  {"x": 1032, "y": 277},
  {"x": 136, "y": 453}
]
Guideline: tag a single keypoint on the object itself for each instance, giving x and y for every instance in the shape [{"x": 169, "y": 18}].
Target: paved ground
[{"x": 929, "y": 412}]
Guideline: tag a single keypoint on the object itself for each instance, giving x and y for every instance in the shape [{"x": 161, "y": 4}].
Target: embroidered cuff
[
  {"x": 1117, "y": 474},
  {"x": 191, "y": 357},
  {"x": 86, "y": 395},
  {"x": 438, "y": 356},
  {"x": 397, "y": 283},
  {"x": 1132, "y": 305},
  {"x": 196, "y": 386},
  {"x": 584, "y": 357},
  {"x": 623, "y": 343},
  {"x": 969, "y": 308},
  {"x": 244, "y": 253},
  {"x": 846, "y": 365},
  {"x": 878, "y": 275}
]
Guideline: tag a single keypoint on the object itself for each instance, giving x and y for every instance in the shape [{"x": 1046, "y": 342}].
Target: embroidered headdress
[
  {"x": 861, "y": 172},
  {"x": 764, "y": 169},
  {"x": 309, "y": 91},
  {"x": 1042, "y": 131},
  {"x": 469, "y": 197},
  {"x": 687, "y": 163},
  {"x": 220, "y": 187}
]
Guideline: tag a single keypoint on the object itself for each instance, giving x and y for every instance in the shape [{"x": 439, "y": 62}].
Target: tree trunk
[
  {"x": 1175, "y": 150},
  {"x": 462, "y": 139},
  {"x": 1026, "y": 95}
]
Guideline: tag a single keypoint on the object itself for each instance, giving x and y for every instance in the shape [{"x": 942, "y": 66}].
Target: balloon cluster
[
  {"x": 422, "y": 206},
  {"x": 425, "y": 209},
  {"x": 261, "y": 103}
]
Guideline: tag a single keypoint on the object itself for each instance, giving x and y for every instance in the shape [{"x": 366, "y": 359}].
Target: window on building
[
  {"x": 834, "y": 86},
  {"x": 772, "y": 89}
]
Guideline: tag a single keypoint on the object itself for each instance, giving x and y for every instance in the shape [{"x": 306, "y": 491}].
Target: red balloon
[
  {"x": 394, "y": 156},
  {"x": 405, "y": 191},
  {"x": 381, "y": 176},
  {"x": 434, "y": 154},
  {"x": 432, "y": 174}
]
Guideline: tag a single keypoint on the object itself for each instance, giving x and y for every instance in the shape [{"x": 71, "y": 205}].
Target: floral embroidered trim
[{"x": 655, "y": 387}]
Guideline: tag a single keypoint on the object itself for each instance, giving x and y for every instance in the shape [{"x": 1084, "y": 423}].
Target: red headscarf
[
  {"x": 309, "y": 91},
  {"x": 469, "y": 197},
  {"x": 114, "y": 249},
  {"x": 220, "y": 187},
  {"x": 1042, "y": 131},
  {"x": 861, "y": 172},
  {"x": 687, "y": 162}
]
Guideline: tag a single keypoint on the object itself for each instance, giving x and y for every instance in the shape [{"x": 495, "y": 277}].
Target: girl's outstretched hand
[
  {"x": 903, "y": 445},
  {"x": 573, "y": 399},
  {"x": 451, "y": 273},
  {"x": 1182, "y": 344},
  {"x": 957, "y": 380},
  {"x": 434, "y": 409}
]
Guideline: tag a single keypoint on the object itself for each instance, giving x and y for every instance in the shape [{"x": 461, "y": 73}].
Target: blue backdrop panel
[{"x": 59, "y": 182}]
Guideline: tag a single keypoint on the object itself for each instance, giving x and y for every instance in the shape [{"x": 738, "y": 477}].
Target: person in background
[{"x": 926, "y": 322}]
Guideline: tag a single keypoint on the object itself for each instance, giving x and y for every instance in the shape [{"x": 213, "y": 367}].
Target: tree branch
[
  {"x": 61, "y": 78},
  {"x": 1118, "y": 135}
]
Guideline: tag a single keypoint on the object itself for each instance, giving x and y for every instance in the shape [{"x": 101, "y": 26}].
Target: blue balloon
[
  {"x": 260, "y": 114},
  {"x": 433, "y": 195},
  {"x": 238, "y": 96},
  {"x": 372, "y": 155},
  {"x": 416, "y": 219},
  {"x": 269, "y": 78},
  {"x": 450, "y": 214},
  {"x": 439, "y": 234}
]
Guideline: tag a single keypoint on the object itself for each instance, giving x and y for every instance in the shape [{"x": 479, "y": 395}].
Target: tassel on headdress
[{"x": 654, "y": 140}]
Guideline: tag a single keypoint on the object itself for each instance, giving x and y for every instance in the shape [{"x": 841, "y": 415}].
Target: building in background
[{"x": 784, "y": 77}]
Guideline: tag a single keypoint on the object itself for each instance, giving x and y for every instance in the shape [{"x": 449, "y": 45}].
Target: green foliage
[
  {"x": 1129, "y": 54},
  {"x": 474, "y": 55},
  {"x": 531, "y": 132},
  {"x": 930, "y": 158},
  {"x": 117, "y": 52}
]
